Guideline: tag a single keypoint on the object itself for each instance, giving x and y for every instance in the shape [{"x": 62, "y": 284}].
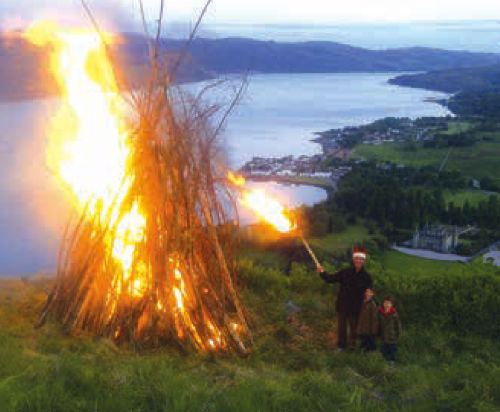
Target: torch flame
[{"x": 265, "y": 207}]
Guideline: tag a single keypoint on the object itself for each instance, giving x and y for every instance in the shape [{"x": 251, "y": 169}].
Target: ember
[{"x": 150, "y": 258}]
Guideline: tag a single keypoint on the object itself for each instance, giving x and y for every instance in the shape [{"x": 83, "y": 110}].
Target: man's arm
[{"x": 329, "y": 277}]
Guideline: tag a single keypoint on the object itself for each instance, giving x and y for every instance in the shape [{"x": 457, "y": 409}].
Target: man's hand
[{"x": 320, "y": 269}]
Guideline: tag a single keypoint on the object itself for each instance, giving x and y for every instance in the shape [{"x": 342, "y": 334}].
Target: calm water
[
  {"x": 280, "y": 112},
  {"x": 276, "y": 118}
]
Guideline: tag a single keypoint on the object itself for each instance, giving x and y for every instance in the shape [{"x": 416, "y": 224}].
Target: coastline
[{"x": 291, "y": 180}]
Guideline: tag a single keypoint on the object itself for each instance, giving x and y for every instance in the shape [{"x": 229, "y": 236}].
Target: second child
[{"x": 390, "y": 328}]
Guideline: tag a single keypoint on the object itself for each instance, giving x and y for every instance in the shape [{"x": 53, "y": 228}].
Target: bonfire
[{"x": 149, "y": 256}]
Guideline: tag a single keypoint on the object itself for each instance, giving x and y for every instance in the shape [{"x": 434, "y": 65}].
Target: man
[{"x": 353, "y": 283}]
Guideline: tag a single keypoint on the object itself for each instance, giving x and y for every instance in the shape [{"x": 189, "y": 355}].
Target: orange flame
[
  {"x": 88, "y": 147},
  {"x": 265, "y": 207},
  {"x": 89, "y": 150}
]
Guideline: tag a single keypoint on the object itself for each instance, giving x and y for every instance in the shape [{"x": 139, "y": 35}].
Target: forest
[{"x": 396, "y": 199}]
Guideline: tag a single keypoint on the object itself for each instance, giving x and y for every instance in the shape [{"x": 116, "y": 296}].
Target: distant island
[{"x": 23, "y": 69}]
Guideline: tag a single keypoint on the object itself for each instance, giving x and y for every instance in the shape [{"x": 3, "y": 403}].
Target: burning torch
[{"x": 268, "y": 209}]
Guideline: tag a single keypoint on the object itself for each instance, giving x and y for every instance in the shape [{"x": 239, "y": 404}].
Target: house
[
  {"x": 439, "y": 238},
  {"x": 493, "y": 256}
]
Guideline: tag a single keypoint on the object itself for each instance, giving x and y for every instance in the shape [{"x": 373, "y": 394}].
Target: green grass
[
  {"x": 458, "y": 127},
  {"x": 394, "y": 152},
  {"x": 410, "y": 266},
  {"x": 335, "y": 242},
  {"x": 292, "y": 368},
  {"x": 478, "y": 161},
  {"x": 263, "y": 257},
  {"x": 458, "y": 197}
]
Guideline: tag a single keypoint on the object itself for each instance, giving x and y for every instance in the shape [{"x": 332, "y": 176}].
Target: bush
[
  {"x": 468, "y": 304},
  {"x": 262, "y": 280}
]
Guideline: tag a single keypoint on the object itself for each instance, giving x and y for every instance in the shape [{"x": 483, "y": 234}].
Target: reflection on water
[{"x": 276, "y": 118}]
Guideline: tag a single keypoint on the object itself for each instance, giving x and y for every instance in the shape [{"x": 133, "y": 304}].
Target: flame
[
  {"x": 89, "y": 150},
  {"x": 88, "y": 146},
  {"x": 236, "y": 179},
  {"x": 265, "y": 207}
]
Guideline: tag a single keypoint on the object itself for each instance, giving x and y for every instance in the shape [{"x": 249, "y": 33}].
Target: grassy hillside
[
  {"x": 477, "y": 161},
  {"x": 442, "y": 366},
  {"x": 459, "y": 197},
  {"x": 352, "y": 235}
]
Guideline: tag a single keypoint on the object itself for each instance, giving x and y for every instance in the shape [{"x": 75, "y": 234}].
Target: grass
[
  {"x": 410, "y": 266},
  {"x": 264, "y": 257},
  {"x": 458, "y": 127},
  {"x": 335, "y": 242},
  {"x": 394, "y": 152},
  {"x": 458, "y": 197},
  {"x": 478, "y": 161},
  {"x": 292, "y": 367}
]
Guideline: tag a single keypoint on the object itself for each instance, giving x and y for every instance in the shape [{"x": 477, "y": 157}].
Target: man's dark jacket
[{"x": 352, "y": 289}]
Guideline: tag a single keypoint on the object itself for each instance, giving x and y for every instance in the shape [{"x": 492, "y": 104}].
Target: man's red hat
[{"x": 359, "y": 252}]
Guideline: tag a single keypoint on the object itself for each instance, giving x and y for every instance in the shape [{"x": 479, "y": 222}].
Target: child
[
  {"x": 390, "y": 328},
  {"x": 368, "y": 322}
]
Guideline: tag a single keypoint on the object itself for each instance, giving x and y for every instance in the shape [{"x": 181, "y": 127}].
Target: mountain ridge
[{"x": 23, "y": 66}]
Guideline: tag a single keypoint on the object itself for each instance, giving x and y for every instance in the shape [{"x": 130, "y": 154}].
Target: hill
[
  {"x": 448, "y": 358},
  {"x": 23, "y": 66},
  {"x": 453, "y": 80},
  {"x": 232, "y": 55}
]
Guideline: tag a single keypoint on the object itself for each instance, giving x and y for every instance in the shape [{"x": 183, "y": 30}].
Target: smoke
[{"x": 113, "y": 15}]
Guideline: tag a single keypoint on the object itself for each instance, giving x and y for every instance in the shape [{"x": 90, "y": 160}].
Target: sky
[{"x": 124, "y": 14}]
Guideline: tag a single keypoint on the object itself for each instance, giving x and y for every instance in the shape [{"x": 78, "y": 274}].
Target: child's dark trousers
[
  {"x": 368, "y": 342},
  {"x": 389, "y": 351}
]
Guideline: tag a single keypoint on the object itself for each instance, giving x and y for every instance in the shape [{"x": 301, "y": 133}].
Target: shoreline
[{"x": 290, "y": 180}]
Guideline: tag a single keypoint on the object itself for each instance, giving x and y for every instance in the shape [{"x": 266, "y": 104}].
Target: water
[
  {"x": 276, "y": 118},
  {"x": 31, "y": 205},
  {"x": 280, "y": 112}
]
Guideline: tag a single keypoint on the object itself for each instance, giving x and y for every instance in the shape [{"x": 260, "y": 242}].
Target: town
[{"x": 326, "y": 169}]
